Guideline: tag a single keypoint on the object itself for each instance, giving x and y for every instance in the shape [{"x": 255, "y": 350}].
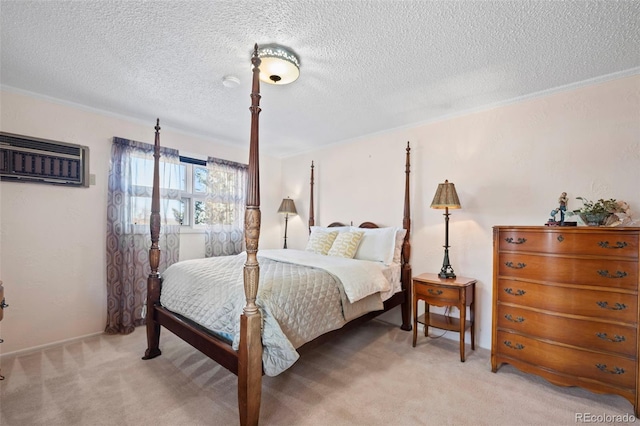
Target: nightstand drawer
[{"x": 436, "y": 293}]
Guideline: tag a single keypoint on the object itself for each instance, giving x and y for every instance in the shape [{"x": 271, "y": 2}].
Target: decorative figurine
[
  {"x": 562, "y": 201},
  {"x": 562, "y": 208}
]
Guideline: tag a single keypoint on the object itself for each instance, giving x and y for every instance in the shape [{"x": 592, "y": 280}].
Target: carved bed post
[
  {"x": 312, "y": 220},
  {"x": 250, "y": 350},
  {"x": 406, "y": 249},
  {"x": 153, "y": 282}
]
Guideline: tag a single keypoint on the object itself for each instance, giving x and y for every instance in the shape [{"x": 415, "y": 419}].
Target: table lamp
[
  {"x": 446, "y": 198},
  {"x": 287, "y": 207}
]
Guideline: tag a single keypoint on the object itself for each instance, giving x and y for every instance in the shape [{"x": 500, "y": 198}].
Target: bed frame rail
[{"x": 199, "y": 337}]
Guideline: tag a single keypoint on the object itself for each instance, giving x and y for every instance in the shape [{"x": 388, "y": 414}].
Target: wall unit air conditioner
[{"x": 27, "y": 159}]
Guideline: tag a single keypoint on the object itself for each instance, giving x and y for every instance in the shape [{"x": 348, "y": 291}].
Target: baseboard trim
[{"x": 48, "y": 345}]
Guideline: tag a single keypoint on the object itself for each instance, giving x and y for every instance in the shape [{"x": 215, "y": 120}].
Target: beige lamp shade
[
  {"x": 287, "y": 207},
  {"x": 446, "y": 197}
]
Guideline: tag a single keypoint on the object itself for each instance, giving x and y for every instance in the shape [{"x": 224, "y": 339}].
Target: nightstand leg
[
  {"x": 463, "y": 314},
  {"x": 426, "y": 318},
  {"x": 473, "y": 323},
  {"x": 415, "y": 320}
]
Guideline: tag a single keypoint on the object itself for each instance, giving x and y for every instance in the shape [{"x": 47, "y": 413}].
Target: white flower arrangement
[
  {"x": 615, "y": 212},
  {"x": 622, "y": 216}
]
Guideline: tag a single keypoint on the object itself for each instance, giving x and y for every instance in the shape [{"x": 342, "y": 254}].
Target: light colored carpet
[{"x": 371, "y": 376}]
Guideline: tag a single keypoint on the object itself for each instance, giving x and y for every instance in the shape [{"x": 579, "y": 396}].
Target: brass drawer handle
[
  {"x": 616, "y": 307},
  {"x": 518, "y": 241},
  {"x": 520, "y": 265},
  {"x": 517, "y": 319},
  {"x": 434, "y": 292},
  {"x": 606, "y": 274},
  {"x": 616, "y": 338},
  {"x": 517, "y": 346},
  {"x": 516, "y": 293},
  {"x": 616, "y": 370},
  {"x": 560, "y": 238},
  {"x": 619, "y": 244}
]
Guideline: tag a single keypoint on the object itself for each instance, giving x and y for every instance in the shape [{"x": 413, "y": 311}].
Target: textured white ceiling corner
[{"x": 366, "y": 66}]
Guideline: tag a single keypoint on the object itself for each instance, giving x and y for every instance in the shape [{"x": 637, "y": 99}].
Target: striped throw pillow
[{"x": 346, "y": 244}]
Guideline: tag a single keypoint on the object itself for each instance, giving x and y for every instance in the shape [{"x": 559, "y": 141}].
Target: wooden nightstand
[{"x": 433, "y": 290}]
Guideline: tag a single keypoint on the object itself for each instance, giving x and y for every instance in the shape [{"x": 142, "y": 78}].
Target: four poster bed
[{"x": 252, "y": 337}]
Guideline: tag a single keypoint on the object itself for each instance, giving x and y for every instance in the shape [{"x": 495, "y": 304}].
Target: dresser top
[{"x": 570, "y": 228}]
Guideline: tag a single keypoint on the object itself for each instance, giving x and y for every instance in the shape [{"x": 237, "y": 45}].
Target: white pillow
[
  {"x": 377, "y": 244},
  {"x": 346, "y": 244},
  {"x": 320, "y": 242},
  {"x": 397, "y": 252},
  {"x": 331, "y": 229}
]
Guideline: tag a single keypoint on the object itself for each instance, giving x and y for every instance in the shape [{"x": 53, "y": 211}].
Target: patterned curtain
[
  {"x": 128, "y": 234},
  {"x": 224, "y": 207}
]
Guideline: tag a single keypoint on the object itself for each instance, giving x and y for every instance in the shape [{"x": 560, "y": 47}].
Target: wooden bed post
[
  {"x": 153, "y": 282},
  {"x": 312, "y": 220},
  {"x": 406, "y": 249},
  {"x": 250, "y": 350}
]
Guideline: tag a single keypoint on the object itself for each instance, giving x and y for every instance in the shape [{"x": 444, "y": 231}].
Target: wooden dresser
[{"x": 565, "y": 305}]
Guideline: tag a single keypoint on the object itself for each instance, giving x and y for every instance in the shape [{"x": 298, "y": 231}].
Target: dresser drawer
[
  {"x": 574, "y": 242},
  {"x": 606, "y": 305},
  {"x": 617, "y": 339},
  {"x": 613, "y": 273},
  {"x": 615, "y": 370}
]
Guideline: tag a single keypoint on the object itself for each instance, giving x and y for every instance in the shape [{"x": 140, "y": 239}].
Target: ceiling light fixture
[{"x": 279, "y": 65}]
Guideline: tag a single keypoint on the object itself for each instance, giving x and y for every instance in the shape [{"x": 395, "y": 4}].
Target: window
[
  {"x": 195, "y": 193},
  {"x": 213, "y": 208},
  {"x": 197, "y": 206},
  {"x": 173, "y": 177}
]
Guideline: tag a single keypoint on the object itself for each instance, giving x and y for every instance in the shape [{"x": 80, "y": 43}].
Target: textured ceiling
[{"x": 366, "y": 66}]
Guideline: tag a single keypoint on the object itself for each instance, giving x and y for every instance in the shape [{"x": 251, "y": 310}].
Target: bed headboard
[
  {"x": 406, "y": 220},
  {"x": 368, "y": 225}
]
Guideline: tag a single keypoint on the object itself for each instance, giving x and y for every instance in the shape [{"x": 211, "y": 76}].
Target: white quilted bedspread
[{"x": 301, "y": 296}]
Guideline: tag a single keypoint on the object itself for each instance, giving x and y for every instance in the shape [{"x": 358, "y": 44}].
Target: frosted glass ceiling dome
[{"x": 279, "y": 65}]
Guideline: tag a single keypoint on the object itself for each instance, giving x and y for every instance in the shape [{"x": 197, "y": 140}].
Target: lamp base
[{"x": 447, "y": 272}]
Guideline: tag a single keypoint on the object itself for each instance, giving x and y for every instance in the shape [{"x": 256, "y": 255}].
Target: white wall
[
  {"x": 52, "y": 239},
  {"x": 509, "y": 165}
]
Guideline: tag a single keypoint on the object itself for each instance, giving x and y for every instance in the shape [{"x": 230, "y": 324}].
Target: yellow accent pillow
[
  {"x": 320, "y": 242},
  {"x": 346, "y": 244}
]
